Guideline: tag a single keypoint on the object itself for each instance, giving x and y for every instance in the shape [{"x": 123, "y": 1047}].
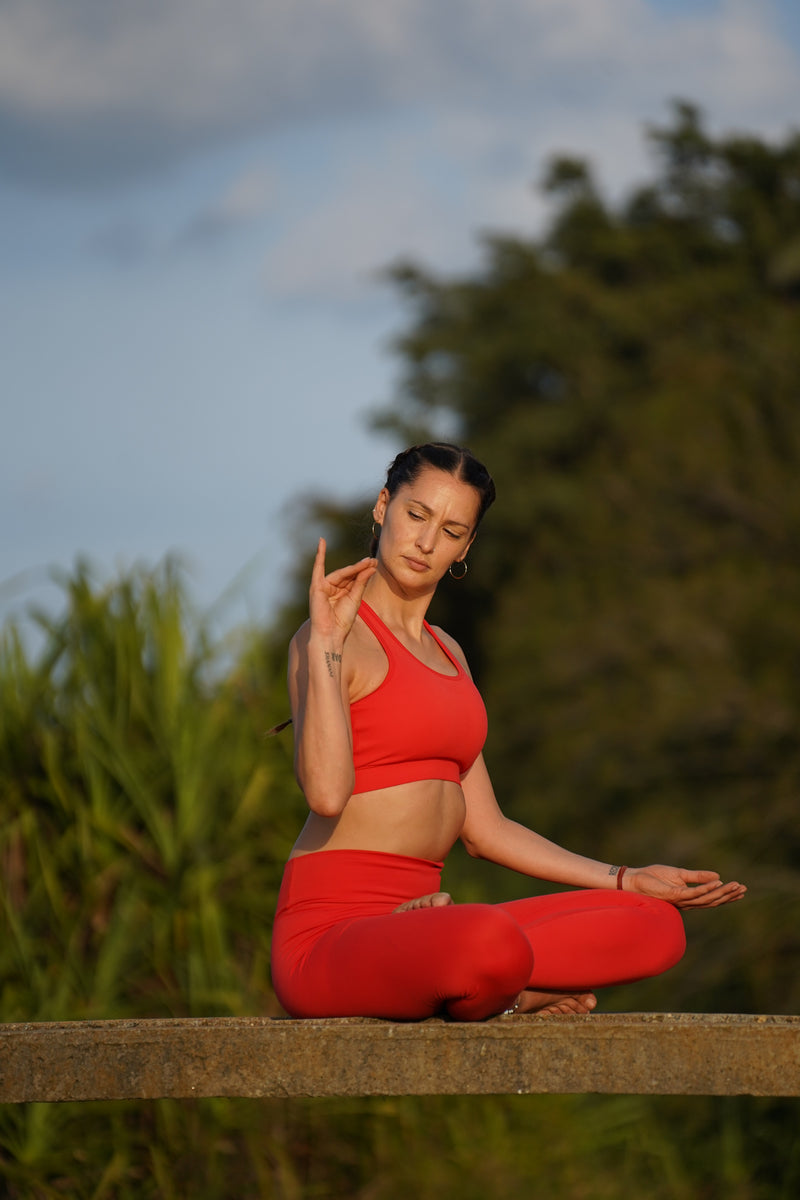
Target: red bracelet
[{"x": 620, "y": 873}]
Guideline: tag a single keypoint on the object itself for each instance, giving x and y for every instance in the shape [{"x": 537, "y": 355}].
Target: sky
[{"x": 198, "y": 205}]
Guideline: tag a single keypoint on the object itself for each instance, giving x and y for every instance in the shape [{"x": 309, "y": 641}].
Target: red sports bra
[{"x": 418, "y": 723}]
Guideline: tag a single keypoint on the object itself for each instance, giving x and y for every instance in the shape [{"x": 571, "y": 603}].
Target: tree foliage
[{"x": 631, "y": 379}]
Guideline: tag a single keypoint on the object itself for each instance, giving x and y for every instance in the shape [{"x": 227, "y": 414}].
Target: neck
[{"x": 397, "y": 608}]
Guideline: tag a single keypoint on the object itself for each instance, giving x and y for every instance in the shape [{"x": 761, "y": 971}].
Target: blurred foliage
[
  {"x": 631, "y": 379},
  {"x": 433, "y": 1148},
  {"x": 142, "y": 835}
]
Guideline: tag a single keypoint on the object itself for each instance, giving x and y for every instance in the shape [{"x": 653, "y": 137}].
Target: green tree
[{"x": 631, "y": 379}]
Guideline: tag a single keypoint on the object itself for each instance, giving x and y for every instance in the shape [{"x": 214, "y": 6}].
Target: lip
[{"x": 416, "y": 564}]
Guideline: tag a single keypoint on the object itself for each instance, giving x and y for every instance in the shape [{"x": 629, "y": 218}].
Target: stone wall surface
[{"x": 658, "y": 1053}]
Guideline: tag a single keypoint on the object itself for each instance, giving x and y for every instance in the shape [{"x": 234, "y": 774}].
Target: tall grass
[
  {"x": 432, "y": 1148},
  {"x": 143, "y": 819},
  {"x": 144, "y": 815}
]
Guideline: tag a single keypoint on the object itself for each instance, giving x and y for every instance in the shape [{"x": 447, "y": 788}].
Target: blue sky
[{"x": 196, "y": 202}]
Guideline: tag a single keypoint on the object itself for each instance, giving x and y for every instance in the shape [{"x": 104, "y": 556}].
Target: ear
[{"x": 379, "y": 511}]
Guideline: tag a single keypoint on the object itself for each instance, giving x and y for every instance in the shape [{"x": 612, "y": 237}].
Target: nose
[{"x": 426, "y": 540}]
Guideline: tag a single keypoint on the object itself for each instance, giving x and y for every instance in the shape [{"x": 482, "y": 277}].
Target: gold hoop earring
[
  {"x": 376, "y": 531},
  {"x": 463, "y": 562}
]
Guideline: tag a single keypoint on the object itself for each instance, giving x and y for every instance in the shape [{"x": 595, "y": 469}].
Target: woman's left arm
[{"x": 488, "y": 834}]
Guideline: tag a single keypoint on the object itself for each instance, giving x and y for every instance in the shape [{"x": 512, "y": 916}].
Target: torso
[{"x": 421, "y": 819}]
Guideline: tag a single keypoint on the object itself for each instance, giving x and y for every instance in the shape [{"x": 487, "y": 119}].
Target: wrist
[
  {"x": 325, "y": 660},
  {"x": 617, "y": 875},
  {"x": 325, "y": 644}
]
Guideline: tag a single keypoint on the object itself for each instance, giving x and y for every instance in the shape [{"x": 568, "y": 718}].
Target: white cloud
[
  {"x": 483, "y": 92},
  {"x": 428, "y": 194},
  {"x": 370, "y": 214},
  {"x": 90, "y": 89}
]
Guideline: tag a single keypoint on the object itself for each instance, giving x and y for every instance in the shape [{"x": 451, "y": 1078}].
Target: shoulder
[{"x": 452, "y": 645}]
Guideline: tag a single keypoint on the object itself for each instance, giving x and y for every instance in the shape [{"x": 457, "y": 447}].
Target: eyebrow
[{"x": 419, "y": 504}]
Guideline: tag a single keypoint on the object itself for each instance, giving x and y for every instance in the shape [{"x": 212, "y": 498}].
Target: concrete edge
[{"x": 633, "y": 1053}]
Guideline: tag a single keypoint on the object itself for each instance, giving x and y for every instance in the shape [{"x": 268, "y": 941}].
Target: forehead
[{"x": 444, "y": 495}]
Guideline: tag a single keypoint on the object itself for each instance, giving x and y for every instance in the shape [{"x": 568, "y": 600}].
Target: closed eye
[{"x": 455, "y": 534}]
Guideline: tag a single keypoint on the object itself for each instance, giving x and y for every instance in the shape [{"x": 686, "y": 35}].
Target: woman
[{"x": 389, "y": 729}]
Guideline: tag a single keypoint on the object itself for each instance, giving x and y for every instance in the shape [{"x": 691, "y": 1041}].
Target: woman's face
[{"x": 426, "y": 526}]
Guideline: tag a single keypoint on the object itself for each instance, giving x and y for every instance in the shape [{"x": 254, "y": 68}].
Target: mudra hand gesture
[
  {"x": 334, "y": 599},
  {"x": 682, "y": 888}
]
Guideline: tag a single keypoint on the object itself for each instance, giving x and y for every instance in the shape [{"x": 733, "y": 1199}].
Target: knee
[
  {"x": 499, "y": 951},
  {"x": 668, "y": 941},
  {"x": 677, "y": 934}
]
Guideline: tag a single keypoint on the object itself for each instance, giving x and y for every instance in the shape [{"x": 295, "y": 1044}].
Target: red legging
[{"x": 339, "y": 949}]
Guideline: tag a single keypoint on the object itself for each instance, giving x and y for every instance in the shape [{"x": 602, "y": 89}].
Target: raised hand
[
  {"x": 683, "y": 888},
  {"x": 334, "y": 599}
]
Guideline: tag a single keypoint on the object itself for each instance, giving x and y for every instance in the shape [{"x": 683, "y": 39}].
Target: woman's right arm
[{"x": 318, "y": 687}]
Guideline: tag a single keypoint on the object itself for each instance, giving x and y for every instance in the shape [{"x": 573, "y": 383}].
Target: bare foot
[
  {"x": 434, "y": 900},
  {"x": 546, "y": 1004}
]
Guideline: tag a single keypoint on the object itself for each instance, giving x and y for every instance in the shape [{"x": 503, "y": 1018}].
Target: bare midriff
[{"x": 420, "y": 820}]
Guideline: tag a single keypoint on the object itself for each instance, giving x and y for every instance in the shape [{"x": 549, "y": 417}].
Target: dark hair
[{"x": 444, "y": 456}]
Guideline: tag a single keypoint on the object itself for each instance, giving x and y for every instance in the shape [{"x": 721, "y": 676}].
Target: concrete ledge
[{"x": 658, "y": 1053}]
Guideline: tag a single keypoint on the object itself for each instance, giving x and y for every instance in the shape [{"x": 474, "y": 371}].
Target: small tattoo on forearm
[
  {"x": 613, "y": 870},
  {"x": 330, "y": 658}
]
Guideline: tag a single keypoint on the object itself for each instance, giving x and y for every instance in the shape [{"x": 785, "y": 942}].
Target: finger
[
  {"x": 710, "y": 890},
  {"x": 710, "y": 902},
  {"x": 733, "y": 891},
  {"x": 725, "y": 894},
  {"x": 730, "y": 899},
  {"x": 700, "y": 877},
  {"x": 362, "y": 579},
  {"x": 352, "y": 571},
  {"x": 694, "y": 897},
  {"x": 697, "y": 891},
  {"x": 318, "y": 569}
]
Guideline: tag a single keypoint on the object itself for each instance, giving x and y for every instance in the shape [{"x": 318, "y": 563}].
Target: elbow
[
  {"x": 471, "y": 847},
  {"x": 325, "y": 796},
  {"x": 326, "y": 805}
]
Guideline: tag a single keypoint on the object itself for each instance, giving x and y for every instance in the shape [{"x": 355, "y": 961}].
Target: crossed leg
[
  {"x": 585, "y": 939},
  {"x": 529, "y": 1000},
  {"x": 473, "y": 961}
]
